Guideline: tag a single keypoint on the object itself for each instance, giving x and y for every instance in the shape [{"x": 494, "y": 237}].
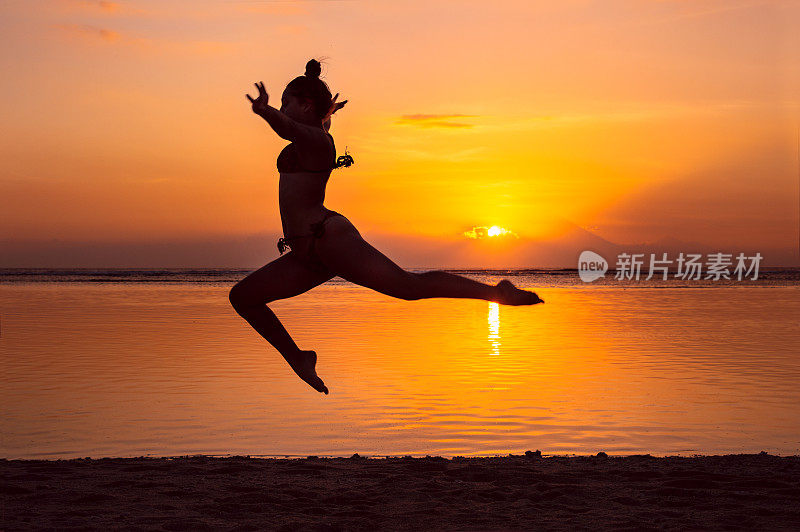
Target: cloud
[
  {"x": 274, "y": 9},
  {"x": 293, "y": 29},
  {"x": 88, "y": 32},
  {"x": 423, "y": 120},
  {"x": 101, "y": 7},
  {"x": 92, "y": 34},
  {"x": 690, "y": 10},
  {"x": 94, "y": 5}
]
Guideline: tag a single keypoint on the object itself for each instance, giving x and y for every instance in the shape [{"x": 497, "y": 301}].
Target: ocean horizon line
[
  {"x": 530, "y": 455},
  {"x": 532, "y": 276}
]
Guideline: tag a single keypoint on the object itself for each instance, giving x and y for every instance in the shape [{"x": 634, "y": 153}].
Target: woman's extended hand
[
  {"x": 336, "y": 106},
  {"x": 260, "y": 103},
  {"x": 326, "y": 120}
]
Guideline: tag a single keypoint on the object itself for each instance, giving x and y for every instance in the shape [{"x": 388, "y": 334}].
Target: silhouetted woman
[{"x": 323, "y": 242}]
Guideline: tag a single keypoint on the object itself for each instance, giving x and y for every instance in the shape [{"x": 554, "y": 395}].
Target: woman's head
[{"x": 307, "y": 96}]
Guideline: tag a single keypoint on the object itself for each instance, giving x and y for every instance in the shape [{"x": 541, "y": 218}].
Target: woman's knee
[
  {"x": 235, "y": 296},
  {"x": 241, "y": 298}
]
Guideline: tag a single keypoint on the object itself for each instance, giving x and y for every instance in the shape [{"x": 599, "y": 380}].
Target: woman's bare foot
[
  {"x": 304, "y": 363},
  {"x": 508, "y": 294}
]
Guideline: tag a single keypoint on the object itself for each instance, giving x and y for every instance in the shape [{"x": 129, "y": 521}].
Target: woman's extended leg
[
  {"x": 286, "y": 276},
  {"x": 349, "y": 256}
]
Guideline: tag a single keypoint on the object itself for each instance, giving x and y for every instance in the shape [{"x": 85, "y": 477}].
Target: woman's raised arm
[{"x": 285, "y": 127}]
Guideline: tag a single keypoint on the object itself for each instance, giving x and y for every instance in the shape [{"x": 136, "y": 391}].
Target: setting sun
[
  {"x": 500, "y": 231},
  {"x": 479, "y": 232}
]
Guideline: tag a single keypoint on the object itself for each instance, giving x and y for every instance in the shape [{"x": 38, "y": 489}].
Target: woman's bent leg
[{"x": 285, "y": 277}]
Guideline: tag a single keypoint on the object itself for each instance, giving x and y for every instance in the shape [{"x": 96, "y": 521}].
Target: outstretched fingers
[{"x": 261, "y": 92}]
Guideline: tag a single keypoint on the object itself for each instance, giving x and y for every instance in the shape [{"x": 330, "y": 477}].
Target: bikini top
[{"x": 289, "y": 161}]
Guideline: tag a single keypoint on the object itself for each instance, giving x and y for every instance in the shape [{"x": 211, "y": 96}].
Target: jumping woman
[{"x": 323, "y": 242}]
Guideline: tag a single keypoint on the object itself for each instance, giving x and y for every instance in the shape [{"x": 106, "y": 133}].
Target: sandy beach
[{"x": 732, "y": 492}]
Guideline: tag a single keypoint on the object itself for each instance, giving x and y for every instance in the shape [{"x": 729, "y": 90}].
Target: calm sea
[{"x": 156, "y": 363}]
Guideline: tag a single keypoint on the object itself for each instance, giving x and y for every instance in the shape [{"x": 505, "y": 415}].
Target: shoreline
[{"x": 512, "y": 492}]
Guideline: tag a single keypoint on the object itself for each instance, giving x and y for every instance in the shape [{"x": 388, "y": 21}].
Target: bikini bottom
[{"x": 317, "y": 230}]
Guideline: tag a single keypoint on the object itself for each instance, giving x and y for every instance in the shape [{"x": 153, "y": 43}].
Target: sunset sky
[{"x": 128, "y": 141}]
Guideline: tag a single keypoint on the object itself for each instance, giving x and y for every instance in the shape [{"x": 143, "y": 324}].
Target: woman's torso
[{"x": 301, "y": 190}]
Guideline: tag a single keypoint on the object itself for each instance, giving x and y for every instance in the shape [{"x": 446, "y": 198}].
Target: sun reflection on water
[{"x": 494, "y": 327}]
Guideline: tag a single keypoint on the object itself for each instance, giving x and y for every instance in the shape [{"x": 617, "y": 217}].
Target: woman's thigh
[
  {"x": 287, "y": 276},
  {"x": 345, "y": 253}
]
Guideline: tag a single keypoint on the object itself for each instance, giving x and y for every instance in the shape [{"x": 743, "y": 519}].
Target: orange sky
[{"x": 125, "y": 127}]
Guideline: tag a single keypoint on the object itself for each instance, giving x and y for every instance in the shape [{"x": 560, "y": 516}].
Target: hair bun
[{"x": 313, "y": 69}]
